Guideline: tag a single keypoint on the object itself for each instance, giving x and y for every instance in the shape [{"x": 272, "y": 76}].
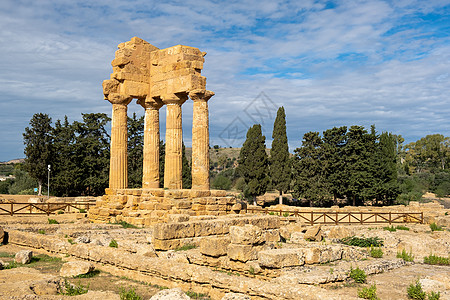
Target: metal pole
[{"x": 48, "y": 183}]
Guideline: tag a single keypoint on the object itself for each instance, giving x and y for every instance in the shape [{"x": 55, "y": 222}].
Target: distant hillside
[{"x": 12, "y": 161}]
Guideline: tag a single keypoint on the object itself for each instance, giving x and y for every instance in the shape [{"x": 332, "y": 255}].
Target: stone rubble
[{"x": 23, "y": 257}]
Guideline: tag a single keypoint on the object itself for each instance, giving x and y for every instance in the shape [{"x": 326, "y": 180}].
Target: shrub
[
  {"x": 362, "y": 242},
  {"x": 435, "y": 227},
  {"x": 71, "y": 241},
  {"x": 434, "y": 296},
  {"x": 405, "y": 255},
  {"x": 358, "y": 275},
  {"x": 52, "y": 221},
  {"x": 369, "y": 293},
  {"x": 41, "y": 231},
  {"x": 186, "y": 247},
  {"x": 415, "y": 291},
  {"x": 436, "y": 260},
  {"x": 390, "y": 228},
  {"x": 401, "y": 227},
  {"x": 73, "y": 290},
  {"x": 89, "y": 274},
  {"x": 376, "y": 252},
  {"x": 113, "y": 244},
  {"x": 286, "y": 214},
  {"x": 129, "y": 294},
  {"x": 60, "y": 212},
  {"x": 221, "y": 182},
  {"x": 127, "y": 225},
  {"x": 82, "y": 210}
]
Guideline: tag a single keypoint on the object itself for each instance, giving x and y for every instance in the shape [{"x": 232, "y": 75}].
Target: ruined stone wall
[{"x": 144, "y": 207}]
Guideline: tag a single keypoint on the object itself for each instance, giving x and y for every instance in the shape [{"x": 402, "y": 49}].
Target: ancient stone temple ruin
[{"x": 157, "y": 77}]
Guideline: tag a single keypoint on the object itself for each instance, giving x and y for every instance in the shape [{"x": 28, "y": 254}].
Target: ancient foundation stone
[
  {"x": 170, "y": 294},
  {"x": 71, "y": 269}
]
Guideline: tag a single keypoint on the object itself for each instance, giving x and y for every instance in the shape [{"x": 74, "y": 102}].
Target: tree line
[
  {"x": 352, "y": 164},
  {"x": 78, "y": 155}
]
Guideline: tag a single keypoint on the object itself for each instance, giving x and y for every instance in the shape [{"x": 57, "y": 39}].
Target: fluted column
[
  {"x": 150, "y": 169},
  {"x": 118, "y": 166},
  {"x": 200, "y": 139},
  {"x": 174, "y": 142}
]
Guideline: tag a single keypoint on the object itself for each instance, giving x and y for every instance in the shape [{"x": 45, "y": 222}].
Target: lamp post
[{"x": 48, "y": 183}]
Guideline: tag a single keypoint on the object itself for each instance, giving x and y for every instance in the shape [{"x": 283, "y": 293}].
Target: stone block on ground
[
  {"x": 75, "y": 268},
  {"x": 170, "y": 294},
  {"x": 298, "y": 238},
  {"x": 2, "y": 235},
  {"x": 216, "y": 246},
  {"x": 176, "y": 218},
  {"x": 235, "y": 296},
  {"x": 23, "y": 257},
  {"x": 314, "y": 233},
  {"x": 242, "y": 252},
  {"x": 246, "y": 235},
  {"x": 339, "y": 232},
  {"x": 280, "y": 258}
]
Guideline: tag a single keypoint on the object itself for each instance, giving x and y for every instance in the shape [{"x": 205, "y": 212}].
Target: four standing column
[
  {"x": 118, "y": 167},
  {"x": 200, "y": 139}
]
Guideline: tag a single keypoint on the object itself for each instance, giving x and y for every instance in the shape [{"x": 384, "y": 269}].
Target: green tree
[
  {"x": 431, "y": 152},
  {"x": 23, "y": 184},
  {"x": 359, "y": 165},
  {"x": 65, "y": 171},
  {"x": 334, "y": 142},
  {"x": 253, "y": 163},
  {"x": 221, "y": 182},
  {"x": 92, "y": 153},
  {"x": 38, "y": 147},
  {"x": 309, "y": 172},
  {"x": 186, "y": 170},
  {"x": 280, "y": 167},
  {"x": 135, "y": 150},
  {"x": 386, "y": 170}
]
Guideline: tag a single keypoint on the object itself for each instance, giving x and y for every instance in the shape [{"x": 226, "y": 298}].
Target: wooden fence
[
  {"x": 337, "y": 218},
  {"x": 25, "y": 208}
]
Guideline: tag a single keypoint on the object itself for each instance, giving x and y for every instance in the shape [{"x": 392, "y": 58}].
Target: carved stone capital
[
  {"x": 178, "y": 98},
  {"x": 115, "y": 98},
  {"x": 200, "y": 95},
  {"x": 150, "y": 103}
]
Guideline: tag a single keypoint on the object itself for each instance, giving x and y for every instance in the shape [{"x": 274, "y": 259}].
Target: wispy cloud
[{"x": 330, "y": 63}]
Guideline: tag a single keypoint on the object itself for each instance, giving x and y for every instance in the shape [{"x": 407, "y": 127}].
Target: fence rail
[
  {"x": 25, "y": 208},
  {"x": 336, "y": 218}
]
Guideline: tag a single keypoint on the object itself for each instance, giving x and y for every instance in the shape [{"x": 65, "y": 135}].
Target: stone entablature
[{"x": 157, "y": 77}]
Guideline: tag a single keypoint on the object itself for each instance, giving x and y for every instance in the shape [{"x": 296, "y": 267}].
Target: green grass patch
[
  {"x": 434, "y": 295},
  {"x": 129, "y": 294},
  {"x": 362, "y": 241},
  {"x": 199, "y": 296},
  {"x": 435, "y": 227},
  {"x": 436, "y": 260},
  {"x": 113, "y": 244},
  {"x": 398, "y": 227},
  {"x": 89, "y": 275},
  {"x": 376, "y": 252},
  {"x": 415, "y": 291},
  {"x": 390, "y": 228},
  {"x": 286, "y": 214},
  {"x": 358, "y": 275},
  {"x": 41, "y": 231},
  {"x": 405, "y": 255},
  {"x": 82, "y": 210},
  {"x": 74, "y": 290},
  {"x": 52, "y": 221},
  {"x": 12, "y": 265},
  {"x": 186, "y": 247},
  {"x": 6, "y": 254},
  {"x": 71, "y": 241},
  {"x": 368, "y": 293},
  {"x": 401, "y": 227}
]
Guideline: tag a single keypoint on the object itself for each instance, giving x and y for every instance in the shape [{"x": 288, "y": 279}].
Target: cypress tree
[
  {"x": 387, "y": 168},
  {"x": 253, "y": 163},
  {"x": 280, "y": 169}
]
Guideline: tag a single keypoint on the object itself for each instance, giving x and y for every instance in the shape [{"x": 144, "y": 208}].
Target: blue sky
[{"x": 329, "y": 63}]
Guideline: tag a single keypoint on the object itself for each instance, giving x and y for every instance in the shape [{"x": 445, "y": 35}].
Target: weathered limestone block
[
  {"x": 75, "y": 268},
  {"x": 339, "y": 232},
  {"x": 272, "y": 236},
  {"x": 176, "y": 218},
  {"x": 214, "y": 246},
  {"x": 242, "y": 252},
  {"x": 173, "y": 231},
  {"x": 23, "y": 257},
  {"x": 298, "y": 238},
  {"x": 322, "y": 254},
  {"x": 170, "y": 294},
  {"x": 314, "y": 233},
  {"x": 246, "y": 235},
  {"x": 280, "y": 258},
  {"x": 2, "y": 235}
]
